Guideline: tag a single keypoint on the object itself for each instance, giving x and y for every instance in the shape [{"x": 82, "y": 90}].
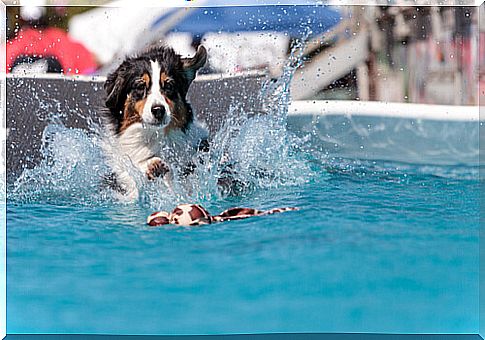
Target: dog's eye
[
  {"x": 169, "y": 88},
  {"x": 139, "y": 86}
]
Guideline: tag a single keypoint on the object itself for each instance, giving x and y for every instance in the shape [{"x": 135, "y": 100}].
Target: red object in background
[{"x": 51, "y": 42}]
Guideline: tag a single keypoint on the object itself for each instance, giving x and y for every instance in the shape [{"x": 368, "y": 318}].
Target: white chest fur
[
  {"x": 131, "y": 152},
  {"x": 140, "y": 143}
]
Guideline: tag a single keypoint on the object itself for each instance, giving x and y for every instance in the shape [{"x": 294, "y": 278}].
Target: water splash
[
  {"x": 255, "y": 150},
  {"x": 67, "y": 173}
]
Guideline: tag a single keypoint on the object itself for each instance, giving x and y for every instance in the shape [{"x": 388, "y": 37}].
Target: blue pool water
[{"x": 375, "y": 246}]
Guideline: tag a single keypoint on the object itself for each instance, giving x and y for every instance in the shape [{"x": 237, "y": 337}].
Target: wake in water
[{"x": 255, "y": 151}]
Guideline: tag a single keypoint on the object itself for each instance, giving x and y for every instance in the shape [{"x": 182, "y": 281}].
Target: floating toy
[{"x": 194, "y": 215}]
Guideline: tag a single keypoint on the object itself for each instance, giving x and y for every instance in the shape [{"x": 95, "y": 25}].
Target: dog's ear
[
  {"x": 114, "y": 87},
  {"x": 191, "y": 65}
]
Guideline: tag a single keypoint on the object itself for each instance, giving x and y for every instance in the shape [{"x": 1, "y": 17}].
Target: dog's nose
[{"x": 158, "y": 111}]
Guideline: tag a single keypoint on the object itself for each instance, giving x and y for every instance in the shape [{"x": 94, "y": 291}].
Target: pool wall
[
  {"x": 30, "y": 100},
  {"x": 411, "y": 133}
]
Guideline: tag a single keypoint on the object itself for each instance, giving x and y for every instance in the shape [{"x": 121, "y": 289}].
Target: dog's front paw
[{"x": 156, "y": 168}]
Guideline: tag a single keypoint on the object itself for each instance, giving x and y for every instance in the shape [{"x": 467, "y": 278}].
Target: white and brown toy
[{"x": 194, "y": 215}]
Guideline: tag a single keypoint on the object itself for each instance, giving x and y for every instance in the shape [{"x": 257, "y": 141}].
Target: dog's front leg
[{"x": 156, "y": 168}]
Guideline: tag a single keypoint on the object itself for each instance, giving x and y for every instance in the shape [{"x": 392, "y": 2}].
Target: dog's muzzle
[{"x": 159, "y": 113}]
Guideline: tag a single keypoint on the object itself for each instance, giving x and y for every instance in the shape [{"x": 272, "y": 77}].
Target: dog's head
[{"x": 151, "y": 89}]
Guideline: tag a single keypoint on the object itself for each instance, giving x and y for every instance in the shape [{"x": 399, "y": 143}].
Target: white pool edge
[{"x": 385, "y": 109}]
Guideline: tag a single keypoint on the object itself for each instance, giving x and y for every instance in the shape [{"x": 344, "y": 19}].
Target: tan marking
[
  {"x": 139, "y": 106},
  {"x": 132, "y": 112},
  {"x": 164, "y": 77},
  {"x": 180, "y": 115},
  {"x": 146, "y": 79}
]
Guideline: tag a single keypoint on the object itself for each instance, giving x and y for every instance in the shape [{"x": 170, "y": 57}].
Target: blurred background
[{"x": 387, "y": 53}]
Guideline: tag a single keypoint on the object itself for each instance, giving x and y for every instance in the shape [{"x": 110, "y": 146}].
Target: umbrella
[
  {"x": 292, "y": 19},
  {"x": 50, "y": 44},
  {"x": 115, "y": 31}
]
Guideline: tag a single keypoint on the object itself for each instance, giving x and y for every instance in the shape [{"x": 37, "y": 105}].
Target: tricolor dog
[{"x": 152, "y": 126}]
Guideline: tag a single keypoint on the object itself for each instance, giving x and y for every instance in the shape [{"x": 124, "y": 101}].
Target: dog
[{"x": 151, "y": 126}]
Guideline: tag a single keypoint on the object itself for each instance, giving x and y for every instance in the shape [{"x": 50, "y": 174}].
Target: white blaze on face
[{"x": 155, "y": 97}]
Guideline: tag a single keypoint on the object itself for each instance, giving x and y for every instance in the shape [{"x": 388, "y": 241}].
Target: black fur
[{"x": 121, "y": 82}]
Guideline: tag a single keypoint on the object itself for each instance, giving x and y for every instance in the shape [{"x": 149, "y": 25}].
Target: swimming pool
[{"x": 377, "y": 246}]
